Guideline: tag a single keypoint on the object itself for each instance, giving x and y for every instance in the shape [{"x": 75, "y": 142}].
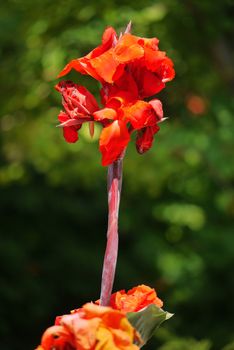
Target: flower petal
[
  {"x": 105, "y": 65},
  {"x": 153, "y": 59},
  {"x": 73, "y": 64},
  {"x": 70, "y": 134},
  {"x": 158, "y": 62},
  {"x": 82, "y": 64},
  {"x": 145, "y": 138},
  {"x": 149, "y": 43},
  {"x": 157, "y": 106},
  {"x": 151, "y": 84},
  {"x": 105, "y": 113},
  {"x": 113, "y": 140},
  {"x": 166, "y": 70},
  {"x": 83, "y": 330},
  {"x": 140, "y": 114},
  {"x": 57, "y": 337},
  {"x": 108, "y": 38},
  {"x": 69, "y": 122},
  {"x": 128, "y": 49}
]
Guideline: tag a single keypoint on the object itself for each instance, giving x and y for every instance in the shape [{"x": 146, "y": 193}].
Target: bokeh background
[{"x": 177, "y": 208}]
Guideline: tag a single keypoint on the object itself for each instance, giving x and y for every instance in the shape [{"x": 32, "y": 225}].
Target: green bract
[{"x": 148, "y": 320}]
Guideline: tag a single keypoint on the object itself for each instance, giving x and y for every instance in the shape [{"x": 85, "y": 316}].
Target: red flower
[
  {"x": 135, "y": 299},
  {"x": 79, "y": 105},
  {"x": 129, "y": 68}
]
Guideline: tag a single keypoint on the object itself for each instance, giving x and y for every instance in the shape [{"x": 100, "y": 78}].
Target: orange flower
[
  {"x": 91, "y": 327},
  {"x": 135, "y": 299}
]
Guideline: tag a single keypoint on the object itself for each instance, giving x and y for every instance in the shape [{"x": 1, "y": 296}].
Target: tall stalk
[{"x": 114, "y": 184}]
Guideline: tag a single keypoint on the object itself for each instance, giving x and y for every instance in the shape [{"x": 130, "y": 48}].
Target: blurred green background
[{"x": 177, "y": 207}]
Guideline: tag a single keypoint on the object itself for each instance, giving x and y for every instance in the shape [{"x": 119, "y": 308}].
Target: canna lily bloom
[
  {"x": 135, "y": 299},
  {"x": 130, "y": 68},
  {"x": 91, "y": 327}
]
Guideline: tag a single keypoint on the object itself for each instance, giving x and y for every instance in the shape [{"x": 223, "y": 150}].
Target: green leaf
[{"x": 148, "y": 320}]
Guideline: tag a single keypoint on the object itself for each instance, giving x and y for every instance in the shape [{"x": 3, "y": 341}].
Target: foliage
[
  {"x": 177, "y": 208},
  {"x": 186, "y": 344}
]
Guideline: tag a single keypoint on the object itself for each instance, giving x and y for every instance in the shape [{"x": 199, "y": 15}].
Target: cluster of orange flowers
[{"x": 95, "y": 327}]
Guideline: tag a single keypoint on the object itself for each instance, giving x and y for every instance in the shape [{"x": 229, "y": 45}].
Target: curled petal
[
  {"x": 83, "y": 330},
  {"x": 158, "y": 62},
  {"x": 113, "y": 140},
  {"x": 73, "y": 64},
  {"x": 63, "y": 117},
  {"x": 82, "y": 65},
  {"x": 151, "y": 43},
  {"x": 105, "y": 65},
  {"x": 166, "y": 70},
  {"x": 145, "y": 138},
  {"x": 89, "y": 69},
  {"x": 150, "y": 84},
  {"x": 140, "y": 115},
  {"x": 69, "y": 132},
  {"x": 128, "y": 49},
  {"x": 108, "y": 38},
  {"x": 69, "y": 122},
  {"x": 105, "y": 113},
  {"x": 57, "y": 337},
  {"x": 153, "y": 59},
  {"x": 157, "y": 106}
]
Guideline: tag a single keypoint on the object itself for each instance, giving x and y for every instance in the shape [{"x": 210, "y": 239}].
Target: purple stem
[{"x": 114, "y": 184}]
